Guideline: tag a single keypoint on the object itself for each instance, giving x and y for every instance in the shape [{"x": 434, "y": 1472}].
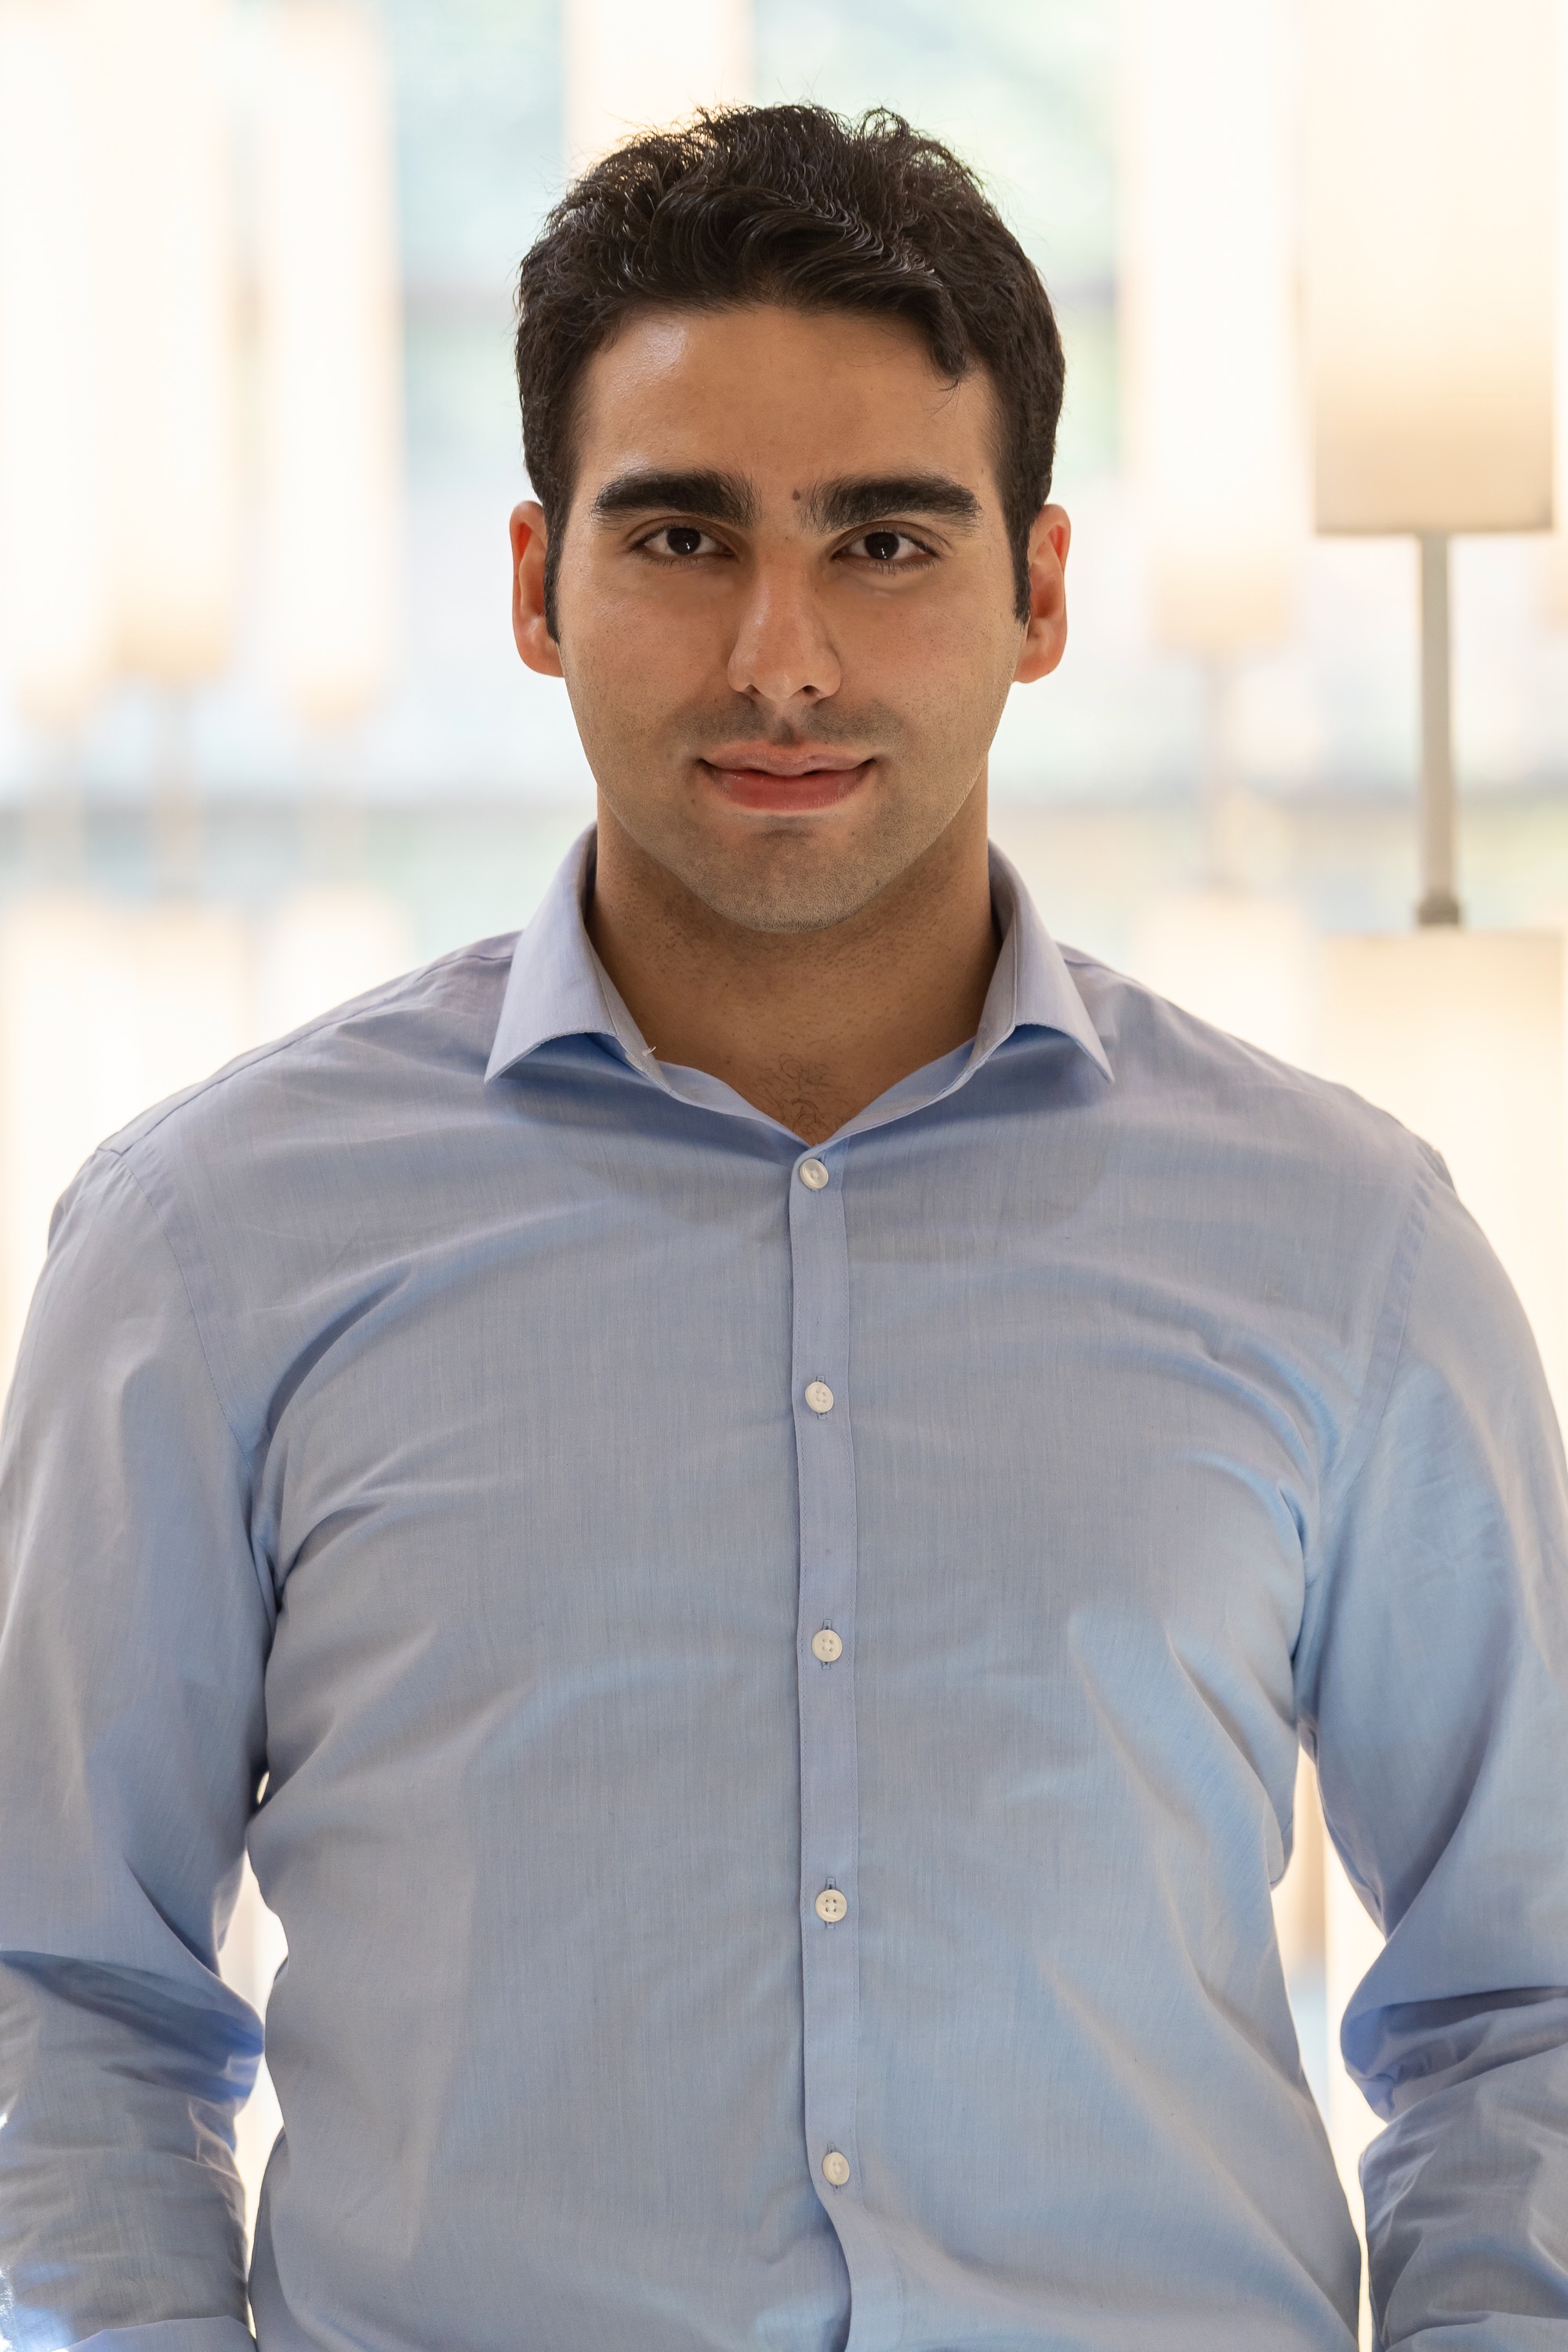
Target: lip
[{"x": 763, "y": 777}]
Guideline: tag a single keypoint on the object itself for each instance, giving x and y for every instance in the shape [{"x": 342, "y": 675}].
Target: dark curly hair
[{"x": 789, "y": 205}]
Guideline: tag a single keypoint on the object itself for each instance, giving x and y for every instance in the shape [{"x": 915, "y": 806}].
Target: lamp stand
[{"x": 1438, "y": 903}]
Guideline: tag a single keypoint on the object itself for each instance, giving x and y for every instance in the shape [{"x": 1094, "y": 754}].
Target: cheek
[
  {"x": 950, "y": 661},
  {"x": 954, "y": 616},
  {"x": 638, "y": 640}
]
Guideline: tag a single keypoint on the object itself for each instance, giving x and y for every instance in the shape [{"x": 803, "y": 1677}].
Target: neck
[{"x": 809, "y": 1026}]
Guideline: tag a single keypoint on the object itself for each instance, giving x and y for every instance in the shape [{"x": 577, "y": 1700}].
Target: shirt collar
[
  {"x": 1032, "y": 987},
  {"x": 558, "y": 988}
]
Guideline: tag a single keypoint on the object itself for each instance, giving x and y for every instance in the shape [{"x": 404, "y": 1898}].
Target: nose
[{"x": 782, "y": 653}]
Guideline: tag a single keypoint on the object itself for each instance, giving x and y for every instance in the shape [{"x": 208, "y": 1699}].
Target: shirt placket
[{"x": 829, "y": 1802}]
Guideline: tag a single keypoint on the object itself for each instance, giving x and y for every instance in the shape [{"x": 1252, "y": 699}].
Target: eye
[
  {"x": 889, "y": 550},
  {"x": 679, "y": 542}
]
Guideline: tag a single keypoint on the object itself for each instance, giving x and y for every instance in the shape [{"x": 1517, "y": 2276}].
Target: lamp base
[{"x": 1438, "y": 907}]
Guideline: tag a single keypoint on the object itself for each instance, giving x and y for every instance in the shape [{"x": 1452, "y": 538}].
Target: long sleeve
[
  {"x": 134, "y": 1634},
  {"x": 1433, "y": 1675}
]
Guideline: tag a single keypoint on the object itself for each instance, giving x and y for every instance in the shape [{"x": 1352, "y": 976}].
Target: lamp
[
  {"x": 1210, "y": 337},
  {"x": 329, "y": 355},
  {"x": 1553, "y": 551},
  {"x": 57, "y": 620},
  {"x": 1431, "y": 211},
  {"x": 118, "y": 385},
  {"x": 1212, "y": 372},
  {"x": 1431, "y": 284},
  {"x": 1430, "y": 218},
  {"x": 167, "y": 291},
  {"x": 119, "y": 409},
  {"x": 630, "y": 62}
]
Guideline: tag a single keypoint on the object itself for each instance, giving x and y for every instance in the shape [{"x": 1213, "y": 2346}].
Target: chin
[{"x": 782, "y": 895}]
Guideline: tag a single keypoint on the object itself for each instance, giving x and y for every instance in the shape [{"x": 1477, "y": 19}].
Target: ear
[
  {"x": 534, "y": 642},
  {"x": 1045, "y": 631}
]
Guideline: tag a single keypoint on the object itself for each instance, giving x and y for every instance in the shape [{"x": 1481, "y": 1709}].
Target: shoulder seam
[{"x": 256, "y": 1055}]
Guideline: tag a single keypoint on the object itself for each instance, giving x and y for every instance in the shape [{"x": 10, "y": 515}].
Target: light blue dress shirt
[{"x": 479, "y": 1430}]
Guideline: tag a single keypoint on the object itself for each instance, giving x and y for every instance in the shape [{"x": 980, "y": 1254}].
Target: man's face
[{"x": 787, "y": 602}]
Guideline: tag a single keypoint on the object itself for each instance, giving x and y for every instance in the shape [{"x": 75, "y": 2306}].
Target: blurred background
[{"x": 264, "y": 740}]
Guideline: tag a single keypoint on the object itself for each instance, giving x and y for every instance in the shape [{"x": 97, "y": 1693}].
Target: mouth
[{"x": 759, "y": 777}]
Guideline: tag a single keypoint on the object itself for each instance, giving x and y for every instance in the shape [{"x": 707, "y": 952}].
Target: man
[{"x": 743, "y": 1500}]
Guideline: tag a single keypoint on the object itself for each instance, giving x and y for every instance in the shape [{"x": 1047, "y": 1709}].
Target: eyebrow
[
  {"x": 854, "y": 500},
  {"x": 717, "y": 498},
  {"x": 841, "y": 504}
]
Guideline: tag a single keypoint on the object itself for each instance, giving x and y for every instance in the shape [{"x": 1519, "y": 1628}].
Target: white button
[
  {"x": 827, "y": 1645},
  {"x": 819, "y": 1396},
  {"x": 836, "y": 2168},
  {"x": 813, "y": 1174},
  {"x": 831, "y": 1905}
]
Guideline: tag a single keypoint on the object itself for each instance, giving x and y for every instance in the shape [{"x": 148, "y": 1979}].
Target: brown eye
[
  {"x": 679, "y": 543},
  {"x": 888, "y": 551}
]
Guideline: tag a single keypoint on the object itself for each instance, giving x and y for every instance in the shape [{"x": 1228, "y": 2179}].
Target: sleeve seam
[
  {"x": 119, "y": 1162},
  {"x": 1387, "y": 1350}
]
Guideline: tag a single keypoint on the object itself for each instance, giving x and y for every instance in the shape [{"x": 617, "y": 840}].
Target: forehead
[{"x": 781, "y": 398}]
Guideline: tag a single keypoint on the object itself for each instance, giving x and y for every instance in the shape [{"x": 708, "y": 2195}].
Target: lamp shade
[
  {"x": 331, "y": 355},
  {"x": 1553, "y": 553},
  {"x": 634, "y": 62},
  {"x": 168, "y": 295},
  {"x": 1209, "y": 317},
  {"x": 1431, "y": 203},
  {"x": 56, "y": 621}
]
